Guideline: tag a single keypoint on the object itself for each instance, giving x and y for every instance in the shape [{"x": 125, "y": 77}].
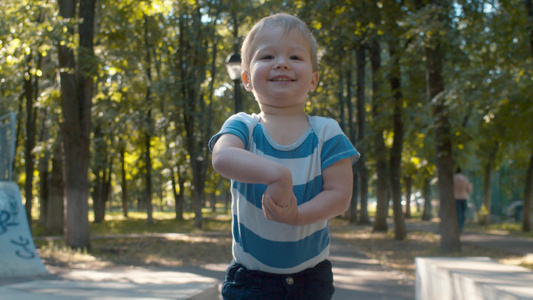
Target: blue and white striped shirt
[{"x": 268, "y": 246}]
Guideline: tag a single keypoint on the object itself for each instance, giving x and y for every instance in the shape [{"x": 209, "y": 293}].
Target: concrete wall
[
  {"x": 18, "y": 256},
  {"x": 471, "y": 278}
]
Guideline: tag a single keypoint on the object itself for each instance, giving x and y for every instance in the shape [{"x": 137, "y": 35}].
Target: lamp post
[{"x": 233, "y": 65}]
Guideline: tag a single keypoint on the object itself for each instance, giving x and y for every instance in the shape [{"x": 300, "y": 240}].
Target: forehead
[{"x": 279, "y": 36}]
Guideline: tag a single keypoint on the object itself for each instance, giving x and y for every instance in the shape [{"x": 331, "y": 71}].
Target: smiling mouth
[{"x": 281, "y": 79}]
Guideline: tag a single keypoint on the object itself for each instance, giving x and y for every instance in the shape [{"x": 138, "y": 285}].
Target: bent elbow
[
  {"x": 217, "y": 162},
  {"x": 346, "y": 204}
]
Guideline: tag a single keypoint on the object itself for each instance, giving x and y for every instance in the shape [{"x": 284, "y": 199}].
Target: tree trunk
[
  {"x": 76, "y": 97},
  {"x": 351, "y": 213},
  {"x": 342, "y": 102},
  {"x": 100, "y": 172},
  {"x": 380, "y": 222},
  {"x": 55, "y": 219},
  {"x": 400, "y": 231},
  {"x": 123, "y": 182},
  {"x": 18, "y": 138},
  {"x": 449, "y": 228},
  {"x": 179, "y": 199},
  {"x": 192, "y": 75},
  {"x": 148, "y": 125},
  {"x": 528, "y": 197},
  {"x": 44, "y": 174},
  {"x": 408, "y": 185},
  {"x": 148, "y": 178},
  {"x": 528, "y": 192},
  {"x": 487, "y": 195},
  {"x": 361, "y": 124},
  {"x": 29, "y": 157},
  {"x": 426, "y": 215},
  {"x": 102, "y": 187},
  {"x": 529, "y": 10}
]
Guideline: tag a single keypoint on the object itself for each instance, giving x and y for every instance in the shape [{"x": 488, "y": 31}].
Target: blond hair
[{"x": 281, "y": 19}]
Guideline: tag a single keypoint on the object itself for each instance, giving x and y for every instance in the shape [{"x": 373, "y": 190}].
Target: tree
[
  {"x": 435, "y": 89},
  {"x": 360, "y": 55},
  {"x": 193, "y": 60},
  {"x": 528, "y": 192},
  {"x": 396, "y": 152},
  {"x": 479, "y": 60},
  {"x": 382, "y": 186},
  {"x": 76, "y": 77},
  {"x": 55, "y": 218}
]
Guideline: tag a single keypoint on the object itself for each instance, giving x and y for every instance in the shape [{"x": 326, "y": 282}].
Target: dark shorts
[{"x": 310, "y": 284}]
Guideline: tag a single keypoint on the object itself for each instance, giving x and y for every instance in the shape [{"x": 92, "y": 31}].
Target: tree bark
[
  {"x": 449, "y": 228},
  {"x": 361, "y": 124},
  {"x": 408, "y": 185},
  {"x": 380, "y": 222},
  {"x": 148, "y": 176},
  {"x": 529, "y": 10},
  {"x": 528, "y": 197},
  {"x": 351, "y": 214},
  {"x": 123, "y": 182},
  {"x": 400, "y": 231},
  {"x": 29, "y": 157},
  {"x": 55, "y": 219},
  {"x": 528, "y": 192},
  {"x": 76, "y": 101},
  {"x": 44, "y": 173},
  {"x": 148, "y": 128},
  {"x": 179, "y": 198},
  {"x": 487, "y": 195},
  {"x": 18, "y": 132},
  {"x": 192, "y": 75},
  {"x": 102, "y": 169},
  {"x": 426, "y": 215}
]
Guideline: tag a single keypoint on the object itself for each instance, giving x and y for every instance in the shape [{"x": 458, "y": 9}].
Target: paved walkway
[
  {"x": 511, "y": 244},
  {"x": 356, "y": 276}
]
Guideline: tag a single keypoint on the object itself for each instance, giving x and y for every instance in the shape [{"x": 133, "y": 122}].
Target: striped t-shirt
[{"x": 269, "y": 246}]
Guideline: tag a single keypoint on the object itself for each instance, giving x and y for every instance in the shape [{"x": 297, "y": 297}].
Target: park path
[
  {"x": 356, "y": 276},
  {"x": 510, "y": 244}
]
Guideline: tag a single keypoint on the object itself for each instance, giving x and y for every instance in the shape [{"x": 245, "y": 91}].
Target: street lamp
[{"x": 233, "y": 65}]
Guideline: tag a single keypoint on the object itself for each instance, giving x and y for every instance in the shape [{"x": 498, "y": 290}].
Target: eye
[
  {"x": 268, "y": 56},
  {"x": 294, "y": 57}
]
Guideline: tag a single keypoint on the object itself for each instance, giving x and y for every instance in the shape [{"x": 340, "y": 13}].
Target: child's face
[{"x": 280, "y": 73}]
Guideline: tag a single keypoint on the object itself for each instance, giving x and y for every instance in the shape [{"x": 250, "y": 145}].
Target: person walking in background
[{"x": 462, "y": 188}]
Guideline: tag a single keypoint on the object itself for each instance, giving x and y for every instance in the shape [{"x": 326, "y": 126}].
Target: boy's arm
[
  {"x": 331, "y": 202},
  {"x": 231, "y": 160}
]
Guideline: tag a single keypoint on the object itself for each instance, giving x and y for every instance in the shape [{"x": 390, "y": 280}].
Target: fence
[
  {"x": 7, "y": 146},
  {"x": 507, "y": 187}
]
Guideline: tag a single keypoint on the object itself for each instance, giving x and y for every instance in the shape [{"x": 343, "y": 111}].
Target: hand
[
  {"x": 280, "y": 191},
  {"x": 284, "y": 214}
]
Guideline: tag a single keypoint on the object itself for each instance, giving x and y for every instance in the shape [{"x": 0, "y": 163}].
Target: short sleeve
[
  {"x": 336, "y": 146},
  {"x": 239, "y": 125}
]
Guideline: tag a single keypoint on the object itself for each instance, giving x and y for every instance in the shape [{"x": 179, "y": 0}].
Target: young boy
[{"x": 290, "y": 172}]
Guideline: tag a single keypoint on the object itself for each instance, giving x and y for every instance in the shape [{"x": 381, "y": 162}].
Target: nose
[{"x": 282, "y": 62}]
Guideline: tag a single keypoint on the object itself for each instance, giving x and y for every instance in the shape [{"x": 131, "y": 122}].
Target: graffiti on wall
[{"x": 9, "y": 214}]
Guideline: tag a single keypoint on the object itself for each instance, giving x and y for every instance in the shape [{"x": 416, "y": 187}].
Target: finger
[{"x": 266, "y": 207}]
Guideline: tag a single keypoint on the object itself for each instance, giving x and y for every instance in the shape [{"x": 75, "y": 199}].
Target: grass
[
  {"x": 110, "y": 245},
  {"x": 400, "y": 255},
  {"x": 116, "y": 224},
  {"x": 513, "y": 229}
]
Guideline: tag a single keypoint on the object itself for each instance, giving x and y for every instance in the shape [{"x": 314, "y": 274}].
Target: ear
[
  {"x": 314, "y": 81},
  {"x": 246, "y": 80}
]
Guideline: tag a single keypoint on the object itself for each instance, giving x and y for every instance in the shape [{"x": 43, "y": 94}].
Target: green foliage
[{"x": 487, "y": 72}]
